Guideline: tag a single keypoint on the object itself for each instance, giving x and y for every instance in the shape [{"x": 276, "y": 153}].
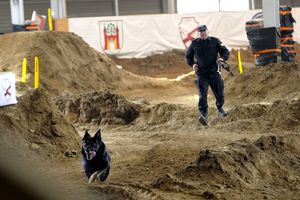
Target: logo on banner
[
  {"x": 111, "y": 33},
  {"x": 188, "y": 27},
  {"x": 6, "y": 89}
]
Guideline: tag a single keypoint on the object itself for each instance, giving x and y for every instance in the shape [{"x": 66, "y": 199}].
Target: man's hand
[{"x": 195, "y": 67}]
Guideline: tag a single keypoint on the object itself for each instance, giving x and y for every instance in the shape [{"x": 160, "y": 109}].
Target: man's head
[{"x": 203, "y": 32}]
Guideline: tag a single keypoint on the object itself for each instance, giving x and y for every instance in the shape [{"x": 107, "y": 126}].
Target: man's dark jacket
[{"x": 204, "y": 53}]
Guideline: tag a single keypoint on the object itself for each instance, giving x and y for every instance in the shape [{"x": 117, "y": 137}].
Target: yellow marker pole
[
  {"x": 36, "y": 72},
  {"x": 240, "y": 62},
  {"x": 24, "y": 67},
  {"x": 50, "y": 25}
]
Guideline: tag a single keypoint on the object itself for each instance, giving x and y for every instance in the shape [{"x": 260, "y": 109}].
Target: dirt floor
[{"x": 147, "y": 111}]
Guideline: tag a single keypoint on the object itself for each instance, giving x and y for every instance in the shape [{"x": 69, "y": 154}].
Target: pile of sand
[
  {"x": 273, "y": 82},
  {"x": 66, "y": 63},
  {"x": 34, "y": 140},
  {"x": 35, "y": 124},
  {"x": 169, "y": 65},
  {"x": 275, "y": 116},
  {"x": 263, "y": 98},
  {"x": 243, "y": 165},
  {"x": 97, "y": 107},
  {"x": 280, "y": 115}
]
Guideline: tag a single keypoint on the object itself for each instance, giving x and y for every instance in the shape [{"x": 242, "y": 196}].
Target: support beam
[
  {"x": 58, "y": 8},
  {"x": 116, "y": 7},
  {"x": 171, "y": 7},
  {"x": 17, "y": 12},
  {"x": 271, "y": 13},
  {"x": 252, "y": 4}
]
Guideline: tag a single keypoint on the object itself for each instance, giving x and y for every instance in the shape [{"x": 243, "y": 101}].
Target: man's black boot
[
  {"x": 203, "y": 119},
  {"x": 222, "y": 113}
]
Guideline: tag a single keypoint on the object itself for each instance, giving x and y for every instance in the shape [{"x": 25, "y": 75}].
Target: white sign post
[{"x": 7, "y": 88}]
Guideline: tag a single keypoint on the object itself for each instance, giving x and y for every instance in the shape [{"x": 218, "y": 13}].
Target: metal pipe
[
  {"x": 116, "y": 7},
  {"x": 17, "y": 12},
  {"x": 58, "y": 8},
  {"x": 171, "y": 6},
  {"x": 253, "y": 4},
  {"x": 271, "y": 13}
]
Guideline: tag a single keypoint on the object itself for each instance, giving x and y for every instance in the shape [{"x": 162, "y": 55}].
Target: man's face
[{"x": 204, "y": 34}]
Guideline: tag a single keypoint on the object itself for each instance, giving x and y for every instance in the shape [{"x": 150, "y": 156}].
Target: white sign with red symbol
[
  {"x": 188, "y": 27},
  {"x": 7, "y": 88},
  {"x": 111, "y": 33}
]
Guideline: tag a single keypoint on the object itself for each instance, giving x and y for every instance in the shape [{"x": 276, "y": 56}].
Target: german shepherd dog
[{"x": 96, "y": 159}]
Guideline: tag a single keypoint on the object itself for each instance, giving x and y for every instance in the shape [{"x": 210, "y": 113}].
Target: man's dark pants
[{"x": 216, "y": 83}]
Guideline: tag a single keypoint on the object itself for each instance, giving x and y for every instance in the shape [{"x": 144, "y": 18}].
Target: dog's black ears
[
  {"x": 87, "y": 135},
  {"x": 98, "y": 134}
]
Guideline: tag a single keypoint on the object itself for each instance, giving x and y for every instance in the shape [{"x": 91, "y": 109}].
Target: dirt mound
[
  {"x": 66, "y": 63},
  {"x": 34, "y": 141},
  {"x": 246, "y": 55},
  {"x": 167, "y": 117},
  {"x": 172, "y": 183},
  {"x": 120, "y": 191},
  {"x": 269, "y": 83},
  {"x": 35, "y": 124},
  {"x": 278, "y": 115},
  {"x": 107, "y": 108},
  {"x": 164, "y": 116},
  {"x": 169, "y": 65},
  {"x": 243, "y": 165},
  {"x": 97, "y": 107}
]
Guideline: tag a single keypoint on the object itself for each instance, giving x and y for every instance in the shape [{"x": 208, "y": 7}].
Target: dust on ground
[{"x": 158, "y": 148}]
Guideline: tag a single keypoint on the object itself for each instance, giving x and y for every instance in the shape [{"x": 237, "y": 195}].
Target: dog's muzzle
[{"x": 90, "y": 155}]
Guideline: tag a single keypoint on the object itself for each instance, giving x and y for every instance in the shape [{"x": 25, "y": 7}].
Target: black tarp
[
  {"x": 272, "y": 38},
  {"x": 286, "y": 19},
  {"x": 262, "y": 39},
  {"x": 287, "y": 28}
]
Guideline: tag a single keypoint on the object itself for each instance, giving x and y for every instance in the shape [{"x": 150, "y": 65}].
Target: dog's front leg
[{"x": 93, "y": 177}]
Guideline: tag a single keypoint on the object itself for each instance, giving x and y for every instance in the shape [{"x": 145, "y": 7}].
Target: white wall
[{"x": 144, "y": 35}]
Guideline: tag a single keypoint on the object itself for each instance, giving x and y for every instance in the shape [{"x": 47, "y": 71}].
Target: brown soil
[
  {"x": 170, "y": 65},
  {"x": 83, "y": 67},
  {"x": 158, "y": 148},
  {"x": 97, "y": 107}
]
